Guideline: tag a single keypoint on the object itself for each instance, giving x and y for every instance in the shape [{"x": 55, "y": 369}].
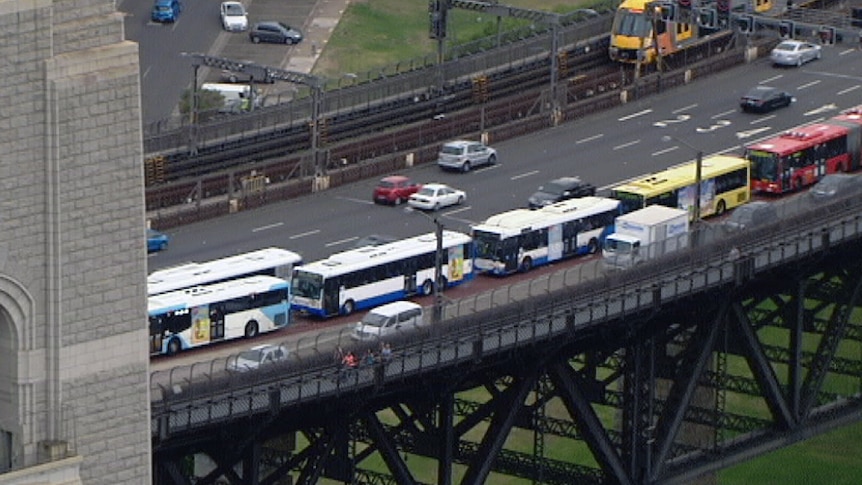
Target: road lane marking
[
  {"x": 455, "y": 211},
  {"x": 722, "y": 115},
  {"x": 852, "y": 88},
  {"x": 684, "y": 108},
  {"x": 303, "y": 234},
  {"x": 361, "y": 201},
  {"x": 808, "y": 85},
  {"x": 635, "y": 115},
  {"x": 769, "y": 79},
  {"x": 626, "y": 145},
  {"x": 516, "y": 177},
  {"x": 343, "y": 241},
  {"x": 267, "y": 227},
  {"x": 666, "y": 150},
  {"x": 589, "y": 138},
  {"x": 761, "y": 120}
]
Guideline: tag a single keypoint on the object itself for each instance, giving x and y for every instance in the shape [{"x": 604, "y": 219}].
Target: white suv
[
  {"x": 463, "y": 155},
  {"x": 388, "y": 319}
]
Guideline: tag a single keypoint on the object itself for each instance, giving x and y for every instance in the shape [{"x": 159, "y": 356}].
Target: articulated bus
[
  {"x": 802, "y": 156},
  {"x": 632, "y": 32},
  {"x": 202, "y": 315},
  {"x": 268, "y": 261},
  {"x": 724, "y": 185},
  {"x": 520, "y": 239},
  {"x": 372, "y": 275}
]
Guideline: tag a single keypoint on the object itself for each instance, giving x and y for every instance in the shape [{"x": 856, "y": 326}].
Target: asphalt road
[
  {"x": 165, "y": 73},
  {"x": 603, "y": 149}
]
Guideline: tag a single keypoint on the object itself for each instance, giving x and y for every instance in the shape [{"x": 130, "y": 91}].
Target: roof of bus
[
  {"x": 633, "y": 4},
  {"x": 513, "y": 222},
  {"x": 192, "y": 274},
  {"x": 853, "y": 115},
  {"x": 369, "y": 256},
  {"x": 799, "y": 138},
  {"x": 681, "y": 175},
  {"x": 199, "y": 295}
]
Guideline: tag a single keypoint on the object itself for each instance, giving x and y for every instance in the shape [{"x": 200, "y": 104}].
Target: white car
[
  {"x": 435, "y": 196},
  {"x": 464, "y": 155},
  {"x": 389, "y": 319},
  {"x": 256, "y": 357},
  {"x": 794, "y": 53},
  {"x": 234, "y": 17}
]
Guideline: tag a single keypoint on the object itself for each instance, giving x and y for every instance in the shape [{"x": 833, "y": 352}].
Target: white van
[
  {"x": 388, "y": 319},
  {"x": 234, "y": 94}
]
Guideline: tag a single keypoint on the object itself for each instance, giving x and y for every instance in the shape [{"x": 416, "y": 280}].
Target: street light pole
[{"x": 437, "y": 314}]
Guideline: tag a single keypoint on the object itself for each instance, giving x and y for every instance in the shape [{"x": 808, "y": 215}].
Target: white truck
[{"x": 644, "y": 234}]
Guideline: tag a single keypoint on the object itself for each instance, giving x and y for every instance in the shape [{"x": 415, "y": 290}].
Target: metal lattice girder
[
  {"x": 388, "y": 450},
  {"x": 838, "y": 365},
  {"x": 256, "y": 71},
  {"x": 506, "y": 11}
]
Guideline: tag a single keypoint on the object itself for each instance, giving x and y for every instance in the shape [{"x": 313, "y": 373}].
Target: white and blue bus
[
  {"x": 521, "y": 239},
  {"x": 202, "y": 315},
  {"x": 267, "y": 261},
  {"x": 370, "y": 276}
]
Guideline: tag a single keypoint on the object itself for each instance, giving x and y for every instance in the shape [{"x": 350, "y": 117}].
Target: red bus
[{"x": 799, "y": 158}]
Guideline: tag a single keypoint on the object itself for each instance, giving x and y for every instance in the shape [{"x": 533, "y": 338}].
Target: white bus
[
  {"x": 521, "y": 239},
  {"x": 202, "y": 315},
  {"x": 268, "y": 261},
  {"x": 370, "y": 276}
]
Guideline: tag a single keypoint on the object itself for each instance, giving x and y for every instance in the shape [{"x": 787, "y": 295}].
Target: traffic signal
[
  {"x": 437, "y": 10},
  {"x": 786, "y": 29},
  {"x": 746, "y": 24},
  {"x": 668, "y": 11},
  {"x": 706, "y": 17},
  {"x": 828, "y": 35}
]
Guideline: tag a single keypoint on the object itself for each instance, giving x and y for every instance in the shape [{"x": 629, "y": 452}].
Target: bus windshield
[
  {"x": 629, "y": 201},
  {"x": 764, "y": 165},
  {"x": 487, "y": 244},
  {"x": 307, "y": 285}
]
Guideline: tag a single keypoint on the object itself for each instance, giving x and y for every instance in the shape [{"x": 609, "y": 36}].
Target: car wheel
[
  {"x": 397, "y": 201},
  {"x": 799, "y": 62},
  {"x": 817, "y": 56},
  {"x": 288, "y": 41},
  {"x": 492, "y": 160},
  {"x": 436, "y": 206},
  {"x": 174, "y": 346},
  {"x": 348, "y": 307},
  {"x": 163, "y": 246},
  {"x": 427, "y": 287},
  {"x": 460, "y": 200},
  {"x": 255, "y": 39},
  {"x": 466, "y": 167},
  {"x": 251, "y": 329}
]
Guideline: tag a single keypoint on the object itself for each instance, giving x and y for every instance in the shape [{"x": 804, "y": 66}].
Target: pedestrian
[
  {"x": 349, "y": 361},
  {"x": 369, "y": 358},
  {"x": 338, "y": 355},
  {"x": 386, "y": 352}
]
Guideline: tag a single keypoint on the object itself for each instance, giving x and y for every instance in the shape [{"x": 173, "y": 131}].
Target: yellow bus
[
  {"x": 724, "y": 185},
  {"x": 632, "y": 32}
]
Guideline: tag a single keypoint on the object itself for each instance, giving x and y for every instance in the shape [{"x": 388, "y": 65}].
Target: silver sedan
[
  {"x": 435, "y": 196},
  {"x": 794, "y": 53}
]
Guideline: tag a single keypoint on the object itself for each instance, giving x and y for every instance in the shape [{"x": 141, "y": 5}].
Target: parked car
[
  {"x": 394, "y": 190},
  {"x": 241, "y": 77},
  {"x": 835, "y": 186},
  {"x": 156, "y": 241},
  {"x": 233, "y": 17},
  {"x": 560, "y": 189},
  {"x": 794, "y": 53},
  {"x": 256, "y": 357},
  {"x": 762, "y": 99},
  {"x": 388, "y": 320},
  {"x": 436, "y": 196},
  {"x": 166, "y": 10},
  {"x": 274, "y": 32},
  {"x": 464, "y": 155},
  {"x": 750, "y": 215}
]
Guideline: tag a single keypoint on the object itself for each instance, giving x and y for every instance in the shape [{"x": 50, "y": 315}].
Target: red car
[{"x": 394, "y": 189}]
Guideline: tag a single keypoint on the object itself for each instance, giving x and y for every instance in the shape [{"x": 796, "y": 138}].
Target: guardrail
[{"x": 563, "y": 305}]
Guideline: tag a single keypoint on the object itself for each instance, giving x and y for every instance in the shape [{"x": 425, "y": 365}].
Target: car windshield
[
  {"x": 234, "y": 10},
  {"x": 554, "y": 188},
  {"x": 251, "y": 355},
  {"x": 163, "y": 8},
  {"x": 427, "y": 191},
  {"x": 372, "y": 319},
  {"x": 759, "y": 93}
]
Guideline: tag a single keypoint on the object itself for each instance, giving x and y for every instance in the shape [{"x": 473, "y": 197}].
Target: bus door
[
  {"x": 216, "y": 318},
  {"x": 410, "y": 283},
  {"x": 555, "y": 242},
  {"x": 509, "y": 252}
]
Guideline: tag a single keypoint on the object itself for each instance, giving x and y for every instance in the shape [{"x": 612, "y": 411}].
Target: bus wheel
[
  {"x": 526, "y": 265},
  {"x": 427, "y": 287},
  {"x": 174, "y": 346},
  {"x": 719, "y": 210},
  {"x": 593, "y": 246},
  {"x": 251, "y": 329},
  {"x": 348, "y": 307}
]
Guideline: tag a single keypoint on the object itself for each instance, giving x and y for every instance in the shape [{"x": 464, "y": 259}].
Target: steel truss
[{"x": 647, "y": 397}]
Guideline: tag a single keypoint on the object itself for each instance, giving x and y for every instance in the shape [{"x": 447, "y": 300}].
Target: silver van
[{"x": 387, "y": 320}]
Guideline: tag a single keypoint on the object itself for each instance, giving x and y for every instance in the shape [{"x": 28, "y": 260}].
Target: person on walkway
[{"x": 386, "y": 352}]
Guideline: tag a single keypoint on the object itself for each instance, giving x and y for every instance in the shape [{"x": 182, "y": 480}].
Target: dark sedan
[{"x": 762, "y": 99}]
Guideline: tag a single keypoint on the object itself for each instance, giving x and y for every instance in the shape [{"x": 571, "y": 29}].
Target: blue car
[
  {"x": 166, "y": 10},
  {"x": 156, "y": 241}
]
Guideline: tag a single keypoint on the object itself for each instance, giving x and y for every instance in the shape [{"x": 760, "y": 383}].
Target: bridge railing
[{"x": 202, "y": 394}]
